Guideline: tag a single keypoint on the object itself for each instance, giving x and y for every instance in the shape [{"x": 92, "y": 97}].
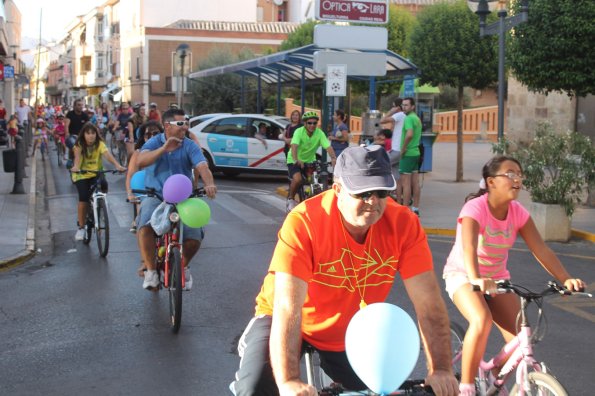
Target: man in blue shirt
[{"x": 167, "y": 154}]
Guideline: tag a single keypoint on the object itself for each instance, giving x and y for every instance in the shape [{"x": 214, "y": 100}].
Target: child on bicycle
[
  {"x": 486, "y": 230},
  {"x": 89, "y": 151},
  {"x": 60, "y": 134},
  {"x": 40, "y": 135}
]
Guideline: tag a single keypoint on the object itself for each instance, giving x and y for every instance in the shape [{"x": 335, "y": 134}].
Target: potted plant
[{"x": 559, "y": 171}]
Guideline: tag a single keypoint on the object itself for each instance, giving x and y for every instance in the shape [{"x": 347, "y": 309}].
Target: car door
[
  {"x": 227, "y": 141},
  {"x": 268, "y": 156}
]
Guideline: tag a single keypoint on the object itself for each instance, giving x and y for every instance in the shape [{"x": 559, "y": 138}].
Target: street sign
[
  {"x": 8, "y": 71},
  {"x": 364, "y": 11},
  {"x": 358, "y": 63},
  {"x": 336, "y": 80},
  {"x": 351, "y": 37},
  {"x": 409, "y": 87}
]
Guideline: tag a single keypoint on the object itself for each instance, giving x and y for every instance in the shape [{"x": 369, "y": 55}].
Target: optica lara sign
[{"x": 365, "y": 11}]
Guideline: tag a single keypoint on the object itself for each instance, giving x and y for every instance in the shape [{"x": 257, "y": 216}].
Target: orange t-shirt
[{"x": 312, "y": 247}]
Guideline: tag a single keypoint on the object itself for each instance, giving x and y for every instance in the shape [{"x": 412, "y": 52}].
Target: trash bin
[
  {"x": 427, "y": 140},
  {"x": 370, "y": 125},
  {"x": 9, "y": 160}
]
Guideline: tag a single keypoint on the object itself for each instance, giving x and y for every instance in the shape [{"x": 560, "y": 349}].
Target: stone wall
[{"x": 525, "y": 109}]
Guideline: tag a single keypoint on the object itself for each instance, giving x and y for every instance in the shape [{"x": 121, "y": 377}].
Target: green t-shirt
[
  {"x": 412, "y": 121},
  {"x": 308, "y": 144}
]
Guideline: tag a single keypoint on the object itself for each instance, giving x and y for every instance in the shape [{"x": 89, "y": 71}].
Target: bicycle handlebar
[
  {"x": 505, "y": 286},
  {"x": 113, "y": 171},
  {"x": 409, "y": 387},
  {"x": 151, "y": 192}
]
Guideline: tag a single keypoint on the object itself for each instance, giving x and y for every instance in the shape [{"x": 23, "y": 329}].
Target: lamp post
[
  {"x": 483, "y": 8},
  {"x": 181, "y": 51}
]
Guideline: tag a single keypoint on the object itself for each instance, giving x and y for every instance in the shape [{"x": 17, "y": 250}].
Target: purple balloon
[{"x": 177, "y": 188}]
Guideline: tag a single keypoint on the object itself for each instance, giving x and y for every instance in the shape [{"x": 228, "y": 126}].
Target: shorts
[
  {"x": 12, "y": 131},
  {"x": 293, "y": 169},
  {"x": 409, "y": 165},
  {"x": 148, "y": 206},
  {"x": 453, "y": 281},
  {"x": 84, "y": 186}
]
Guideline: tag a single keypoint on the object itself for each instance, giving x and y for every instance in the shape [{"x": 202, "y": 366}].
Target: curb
[
  {"x": 579, "y": 234},
  {"x": 29, "y": 250}
]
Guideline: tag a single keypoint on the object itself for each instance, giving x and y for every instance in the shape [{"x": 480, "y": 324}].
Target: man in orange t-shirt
[{"x": 337, "y": 252}]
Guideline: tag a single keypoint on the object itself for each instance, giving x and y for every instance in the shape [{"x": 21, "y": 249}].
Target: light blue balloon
[
  {"x": 137, "y": 181},
  {"x": 382, "y": 345}
]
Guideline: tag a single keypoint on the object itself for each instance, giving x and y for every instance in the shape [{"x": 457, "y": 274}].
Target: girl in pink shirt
[{"x": 486, "y": 230}]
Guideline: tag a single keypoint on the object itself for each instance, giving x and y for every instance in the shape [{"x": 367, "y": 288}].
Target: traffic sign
[
  {"x": 357, "y": 63},
  {"x": 409, "y": 86},
  {"x": 8, "y": 71},
  {"x": 351, "y": 37},
  {"x": 336, "y": 80},
  {"x": 364, "y": 11}
]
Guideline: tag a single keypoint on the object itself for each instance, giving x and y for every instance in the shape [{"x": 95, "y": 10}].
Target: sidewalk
[
  {"x": 442, "y": 198},
  {"x": 17, "y": 216}
]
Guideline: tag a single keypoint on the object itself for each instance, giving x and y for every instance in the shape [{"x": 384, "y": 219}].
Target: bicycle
[
  {"x": 315, "y": 178},
  {"x": 97, "y": 218},
  {"x": 327, "y": 388},
  {"x": 118, "y": 146},
  {"x": 60, "y": 151},
  {"x": 169, "y": 261},
  {"x": 537, "y": 382}
]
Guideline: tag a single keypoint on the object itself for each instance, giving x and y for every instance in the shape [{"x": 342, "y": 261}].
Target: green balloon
[{"x": 194, "y": 212}]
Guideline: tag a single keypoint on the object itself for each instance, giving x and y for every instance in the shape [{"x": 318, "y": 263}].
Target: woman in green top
[{"x": 88, "y": 153}]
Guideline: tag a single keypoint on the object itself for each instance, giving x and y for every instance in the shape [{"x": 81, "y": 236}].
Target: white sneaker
[
  {"x": 80, "y": 234},
  {"x": 291, "y": 203},
  {"x": 151, "y": 280},
  {"x": 187, "y": 279}
]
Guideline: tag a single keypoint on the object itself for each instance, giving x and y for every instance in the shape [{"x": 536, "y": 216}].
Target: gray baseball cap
[{"x": 364, "y": 169}]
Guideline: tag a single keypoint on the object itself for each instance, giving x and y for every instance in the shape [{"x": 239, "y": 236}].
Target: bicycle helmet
[
  {"x": 40, "y": 120},
  {"x": 310, "y": 114}
]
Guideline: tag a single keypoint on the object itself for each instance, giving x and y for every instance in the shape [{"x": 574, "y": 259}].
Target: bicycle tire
[
  {"x": 60, "y": 150},
  {"x": 457, "y": 334},
  {"x": 113, "y": 145},
  {"x": 122, "y": 154},
  {"x": 175, "y": 289},
  {"x": 88, "y": 225},
  {"x": 542, "y": 384},
  {"x": 102, "y": 229}
]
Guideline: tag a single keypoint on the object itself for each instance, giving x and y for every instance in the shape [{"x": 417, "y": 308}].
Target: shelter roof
[{"x": 286, "y": 66}]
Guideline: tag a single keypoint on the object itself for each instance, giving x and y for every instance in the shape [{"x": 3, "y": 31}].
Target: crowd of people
[{"x": 365, "y": 230}]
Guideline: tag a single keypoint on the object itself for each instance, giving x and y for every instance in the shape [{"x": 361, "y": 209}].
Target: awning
[
  {"x": 118, "y": 97},
  {"x": 111, "y": 88},
  {"x": 286, "y": 66}
]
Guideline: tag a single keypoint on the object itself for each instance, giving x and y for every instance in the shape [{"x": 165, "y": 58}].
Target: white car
[{"x": 242, "y": 143}]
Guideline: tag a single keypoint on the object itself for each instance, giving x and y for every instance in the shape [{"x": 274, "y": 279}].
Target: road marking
[{"x": 580, "y": 306}]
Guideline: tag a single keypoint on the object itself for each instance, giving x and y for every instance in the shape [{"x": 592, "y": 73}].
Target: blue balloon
[
  {"x": 382, "y": 345},
  {"x": 137, "y": 181}
]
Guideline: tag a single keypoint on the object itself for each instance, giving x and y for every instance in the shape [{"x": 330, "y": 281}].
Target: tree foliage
[
  {"x": 446, "y": 47},
  {"x": 303, "y": 35},
  {"x": 221, "y": 93},
  {"x": 555, "y": 49}
]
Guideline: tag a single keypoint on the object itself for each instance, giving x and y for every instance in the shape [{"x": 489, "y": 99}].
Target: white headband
[{"x": 482, "y": 184}]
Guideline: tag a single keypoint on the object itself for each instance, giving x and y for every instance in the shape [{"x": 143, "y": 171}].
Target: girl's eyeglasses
[{"x": 512, "y": 176}]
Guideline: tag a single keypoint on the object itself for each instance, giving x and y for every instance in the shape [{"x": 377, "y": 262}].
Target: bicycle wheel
[
  {"x": 88, "y": 225},
  {"x": 113, "y": 145},
  {"x": 175, "y": 289},
  {"x": 122, "y": 154},
  {"x": 541, "y": 384},
  {"x": 60, "y": 149},
  {"x": 42, "y": 148},
  {"x": 102, "y": 230},
  {"x": 457, "y": 334}
]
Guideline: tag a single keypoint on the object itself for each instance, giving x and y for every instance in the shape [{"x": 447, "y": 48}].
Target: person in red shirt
[{"x": 336, "y": 253}]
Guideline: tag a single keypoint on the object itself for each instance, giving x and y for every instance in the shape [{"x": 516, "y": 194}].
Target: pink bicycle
[{"x": 532, "y": 377}]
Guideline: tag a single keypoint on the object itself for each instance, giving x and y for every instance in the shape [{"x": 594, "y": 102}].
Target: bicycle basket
[{"x": 160, "y": 218}]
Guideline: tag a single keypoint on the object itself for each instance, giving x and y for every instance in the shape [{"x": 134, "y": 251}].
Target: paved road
[{"x": 73, "y": 323}]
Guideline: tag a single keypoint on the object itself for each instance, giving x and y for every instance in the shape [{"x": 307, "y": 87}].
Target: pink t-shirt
[{"x": 495, "y": 238}]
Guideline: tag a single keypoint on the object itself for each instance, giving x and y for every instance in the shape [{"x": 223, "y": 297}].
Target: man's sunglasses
[
  {"x": 177, "y": 123},
  {"x": 367, "y": 194},
  {"x": 312, "y": 123}
]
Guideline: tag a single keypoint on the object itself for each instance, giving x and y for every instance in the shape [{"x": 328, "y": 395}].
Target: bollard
[{"x": 17, "y": 187}]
